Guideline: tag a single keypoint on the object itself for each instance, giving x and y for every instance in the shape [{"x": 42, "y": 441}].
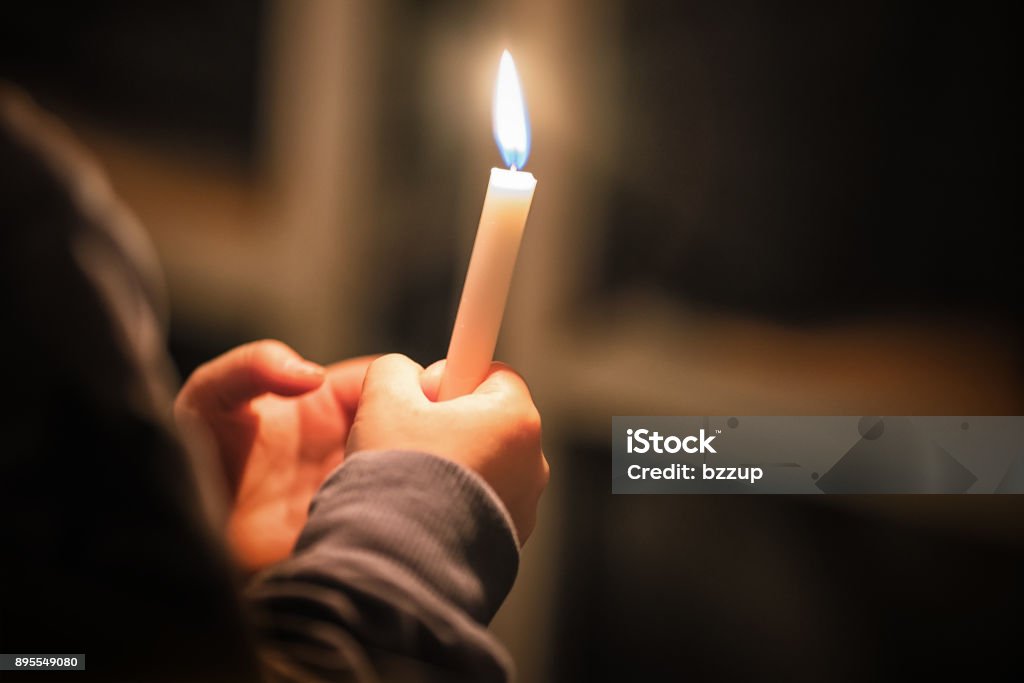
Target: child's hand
[
  {"x": 494, "y": 431},
  {"x": 280, "y": 424}
]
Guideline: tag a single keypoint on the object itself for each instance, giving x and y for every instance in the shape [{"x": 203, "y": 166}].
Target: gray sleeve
[{"x": 403, "y": 562}]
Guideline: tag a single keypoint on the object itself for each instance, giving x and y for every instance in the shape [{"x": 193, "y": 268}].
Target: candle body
[{"x": 506, "y": 206}]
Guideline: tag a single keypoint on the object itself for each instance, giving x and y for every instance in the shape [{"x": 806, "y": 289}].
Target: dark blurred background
[{"x": 742, "y": 209}]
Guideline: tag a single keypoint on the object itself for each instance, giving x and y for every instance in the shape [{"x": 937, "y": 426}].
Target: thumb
[
  {"x": 430, "y": 380},
  {"x": 392, "y": 377},
  {"x": 233, "y": 379}
]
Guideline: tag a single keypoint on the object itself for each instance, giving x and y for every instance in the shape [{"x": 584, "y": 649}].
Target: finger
[
  {"x": 430, "y": 380},
  {"x": 393, "y": 376},
  {"x": 346, "y": 381},
  {"x": 501, "y": 379},
  {"x": 232, "y": 380}
]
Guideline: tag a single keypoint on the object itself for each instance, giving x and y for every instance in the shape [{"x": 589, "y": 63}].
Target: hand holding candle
[{"x": 506, "y": 206}]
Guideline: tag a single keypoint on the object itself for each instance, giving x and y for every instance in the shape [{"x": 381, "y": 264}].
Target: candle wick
[{"x": 513, "y": 168}]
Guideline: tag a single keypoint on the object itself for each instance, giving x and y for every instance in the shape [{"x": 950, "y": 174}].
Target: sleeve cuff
[{"x": 437, "y": 519}]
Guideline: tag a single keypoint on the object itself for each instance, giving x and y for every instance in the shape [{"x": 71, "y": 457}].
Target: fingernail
[{"x": 304, "y": 367}]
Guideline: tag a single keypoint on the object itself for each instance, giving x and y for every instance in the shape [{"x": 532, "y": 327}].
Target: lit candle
[{"x": 506, "y": 206}]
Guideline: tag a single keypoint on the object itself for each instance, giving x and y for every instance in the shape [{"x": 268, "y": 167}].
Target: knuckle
[
  {"x": 530, "y": 420},
  {"x": 388, "y": 376},
  {"x": 524, "y": 425},
  {"x": 264, "y": 349},
  {"x": 388, "y": 360},
  {"x": 380, "y": 368},
  {"x": 378, "y": 365}
]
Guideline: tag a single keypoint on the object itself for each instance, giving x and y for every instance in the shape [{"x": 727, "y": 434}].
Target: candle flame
[{"x": 511, "y": 125}]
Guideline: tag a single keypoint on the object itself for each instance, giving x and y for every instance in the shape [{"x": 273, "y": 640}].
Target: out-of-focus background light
[{"x": 740, "y": 211}]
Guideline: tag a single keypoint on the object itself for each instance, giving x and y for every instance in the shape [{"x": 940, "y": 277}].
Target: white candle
[{"x": 502, "y": 221}]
